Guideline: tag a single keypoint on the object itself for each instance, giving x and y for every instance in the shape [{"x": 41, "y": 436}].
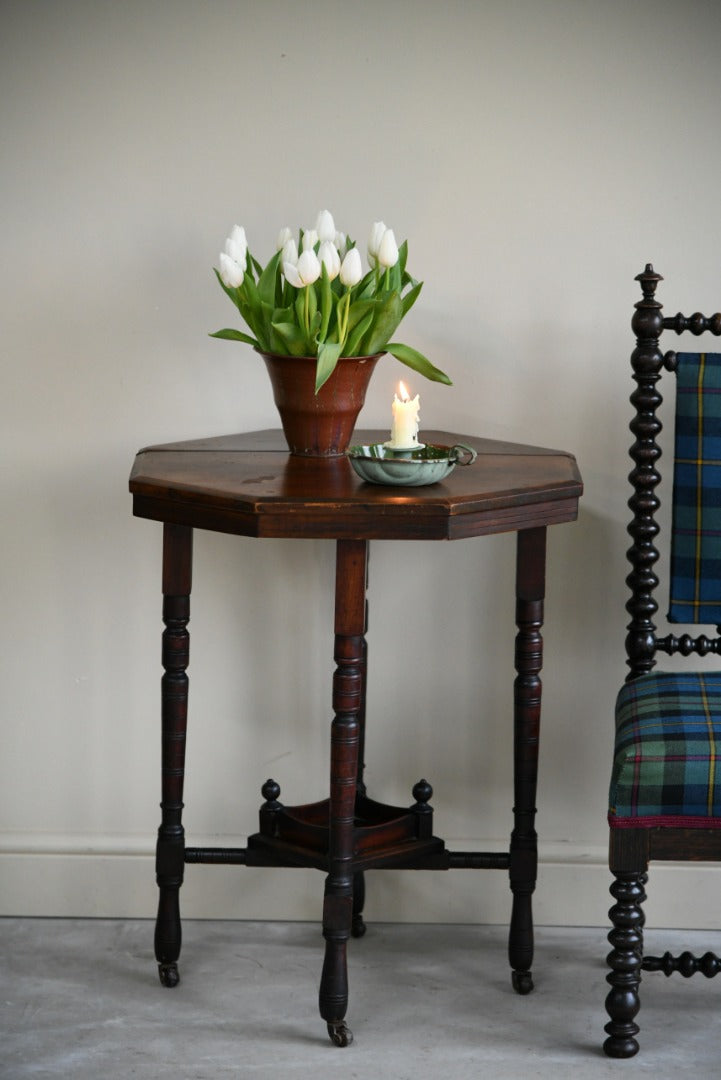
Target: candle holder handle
[{"x": 458, "y": 452}]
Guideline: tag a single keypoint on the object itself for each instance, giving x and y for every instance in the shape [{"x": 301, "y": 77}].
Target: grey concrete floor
[{"x": 81, "y": 999}]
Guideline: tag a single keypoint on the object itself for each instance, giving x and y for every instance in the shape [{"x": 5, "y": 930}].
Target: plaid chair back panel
[{"x": 696, "y": 517}]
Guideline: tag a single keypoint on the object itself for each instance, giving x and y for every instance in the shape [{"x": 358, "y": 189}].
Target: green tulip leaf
[
  {"x": 389, "y": 313},
  {"x": 257, "y": 315},
  {"x": 358, "y": 310},
  {"x": 326, "y": 302},
  {"x": 299, "y": 306},
  {"x": 403, "y": 256},
  {"x": 366, "y": 287},
  {"x": 262, "y": 327},
  {"x": 394, "y": 277},
  {"x": 267, "y": 280},
  {"x": 410, "y": 298},
  {"x": 418, "y": 362},
  {"x": 234, "y": 335},
  {"x": 282, "y": 314},
  {"x": 356, "y": 336},
  {"x": 342, "y": 307},
  {"x": 286, "y": 337},
  {"x": 327, "y": 359},
  {"x": 249, "y": 316},
  {"x": 312, "y": 300}
]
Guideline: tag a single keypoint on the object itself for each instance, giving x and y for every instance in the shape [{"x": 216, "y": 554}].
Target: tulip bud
[
  {"x": 231, "y": 273},
  {"x": 290, "y": 272},
  {"x": 329, "y": 256},
  {"x": 374, "y": 241},
  {"x": 236, "y": 246},
  {"x": 304, "y": 272},
  {"x": 308, "y": 267},
  {"x": 290, "y": 252},
  {"x": 341, "y": 243},
  {"x": 283, "y": 237},
  {"x": 351, "y": 270},
  {"x": 325, "y": 226},
  {"x": 310, "y": 239},
  {"x": 388, "y": 251}
]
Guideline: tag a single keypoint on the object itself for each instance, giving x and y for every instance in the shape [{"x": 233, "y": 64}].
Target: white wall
[{"x": 536, "y": 154}]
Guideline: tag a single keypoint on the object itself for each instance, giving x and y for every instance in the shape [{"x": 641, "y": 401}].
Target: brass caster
[
  {"x": 522, "y": 981},
  {"x": 169, "y": 974},
  {"x": 340, "y": 1035}
]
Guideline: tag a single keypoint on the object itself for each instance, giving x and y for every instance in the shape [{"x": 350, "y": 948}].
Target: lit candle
[{"x": 404, "y": 428}]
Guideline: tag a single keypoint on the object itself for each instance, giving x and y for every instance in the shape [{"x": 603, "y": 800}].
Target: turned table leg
[
  {"x": 358, "y": 926},
  {"x": 530, "y": 588},
  {"x": 348, "y": 686},
  {"x": 170, "y": 853}
]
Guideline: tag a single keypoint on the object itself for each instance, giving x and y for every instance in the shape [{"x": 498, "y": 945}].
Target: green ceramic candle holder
[{"x": 428, "y": 464}]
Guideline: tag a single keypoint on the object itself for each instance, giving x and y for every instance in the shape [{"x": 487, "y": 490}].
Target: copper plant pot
[{"x": 319, "y": 425}]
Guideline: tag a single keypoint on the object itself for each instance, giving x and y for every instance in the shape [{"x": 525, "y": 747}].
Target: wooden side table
[{"x": 249, "y": 485}]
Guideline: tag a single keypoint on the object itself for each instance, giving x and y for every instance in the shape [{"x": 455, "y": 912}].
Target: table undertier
[{"x": 385, "y": 837}]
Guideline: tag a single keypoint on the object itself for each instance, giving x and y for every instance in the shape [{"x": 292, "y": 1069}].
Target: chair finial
[{"x": 649, "y": 279}]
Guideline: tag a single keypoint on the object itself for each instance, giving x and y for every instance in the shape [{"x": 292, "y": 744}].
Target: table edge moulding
[{"x": 249, "y": 485}]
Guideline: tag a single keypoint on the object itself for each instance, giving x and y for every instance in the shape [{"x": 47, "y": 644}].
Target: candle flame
[{"x": 404, "y": 395}]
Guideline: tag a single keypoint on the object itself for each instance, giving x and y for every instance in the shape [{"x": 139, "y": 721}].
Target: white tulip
[
  {"x": 388, "y": 250},
  {"x": 290, "y": 252},
  {"x": 236, "y": 245},
  {"x": 325, "y": 226},
  {"x": 374, "y": 241},
  {"x": 329, "y": 256},
  {"x": 308, "y": 267},
  {"x": 341, "y": 243},
  {"x": 231, "y": 273},
  {"x": 351, "y": 270},
  {"x": 291, "y": 275},
  {"x": 283, "y": 237},
  {"x": 305, "y": 272},
  {"x": 310, "y": 239}
]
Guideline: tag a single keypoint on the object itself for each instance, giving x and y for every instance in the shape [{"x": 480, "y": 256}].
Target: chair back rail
[
  {"x": 647, "y": 362},
  {"x": 697, "y": 323}
]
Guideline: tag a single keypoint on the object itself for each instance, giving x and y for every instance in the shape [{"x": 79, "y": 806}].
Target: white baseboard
[{"x": 78, "y": 877}]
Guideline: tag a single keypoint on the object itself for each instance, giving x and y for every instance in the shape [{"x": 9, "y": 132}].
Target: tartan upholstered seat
[
  {"x": 665, "y": 792},
  {"x": 667, "y": 762}
]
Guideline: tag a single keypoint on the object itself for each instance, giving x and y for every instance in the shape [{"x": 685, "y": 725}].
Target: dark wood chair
[{"x": 665, "y": 797}]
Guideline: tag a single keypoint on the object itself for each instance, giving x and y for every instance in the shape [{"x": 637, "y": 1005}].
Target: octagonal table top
[{"x": 248, "y": 484}]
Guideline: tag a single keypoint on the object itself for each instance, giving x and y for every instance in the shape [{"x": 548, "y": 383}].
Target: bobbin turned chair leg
[{"x": 624, "y": 960}]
